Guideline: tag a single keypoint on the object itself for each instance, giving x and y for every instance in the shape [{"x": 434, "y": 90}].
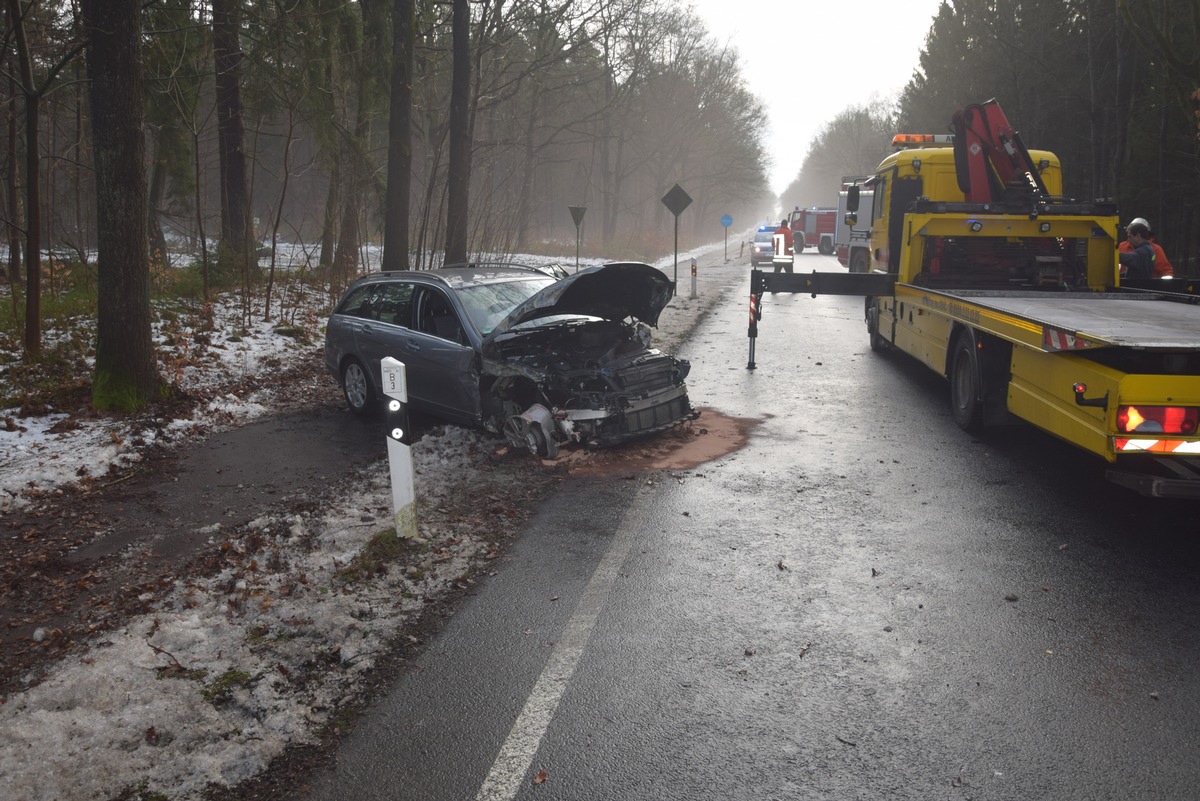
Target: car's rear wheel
[{"x": 356, "y": 386}]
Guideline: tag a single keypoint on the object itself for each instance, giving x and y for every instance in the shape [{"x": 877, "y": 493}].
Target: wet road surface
[{"x": 865, "y": 602}]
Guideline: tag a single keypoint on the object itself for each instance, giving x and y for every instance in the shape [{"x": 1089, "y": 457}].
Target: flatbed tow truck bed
[
  {"x": 1134, "y": 321},
  {"x": 1141, "y": 321}
]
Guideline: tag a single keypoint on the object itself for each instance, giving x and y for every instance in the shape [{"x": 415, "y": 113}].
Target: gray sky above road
[{"x": 808, "y": 60}]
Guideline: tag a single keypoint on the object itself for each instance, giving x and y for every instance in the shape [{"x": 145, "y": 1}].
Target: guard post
[
  {"x": 399, "y": 442},
  {"x": 693, "y": 277},
  {"x": 756, "y": 292}
]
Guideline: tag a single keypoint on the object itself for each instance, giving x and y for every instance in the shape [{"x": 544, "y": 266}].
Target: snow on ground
[
  {"x": 230, "y": 669},
  {"x": 44, "y": 453}
]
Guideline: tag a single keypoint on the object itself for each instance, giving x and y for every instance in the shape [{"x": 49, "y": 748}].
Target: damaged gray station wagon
[{"x": 511, "y": 349}]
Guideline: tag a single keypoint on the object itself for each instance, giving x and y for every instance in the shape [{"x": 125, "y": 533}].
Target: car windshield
[
  {"x": 763, "y": 236},
  {"x": 488, "y": 304}
]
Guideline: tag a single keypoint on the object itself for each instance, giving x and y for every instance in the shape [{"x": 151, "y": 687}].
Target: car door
[
  {"x": 379, "y": 315},
  {"x": 441, "y": 362}
]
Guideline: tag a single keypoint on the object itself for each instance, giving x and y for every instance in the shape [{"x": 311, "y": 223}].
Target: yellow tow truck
[{"x": 986, "y": 274}]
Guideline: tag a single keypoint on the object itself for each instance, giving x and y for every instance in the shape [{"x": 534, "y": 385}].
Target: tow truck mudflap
[
  {"x": 1181, "y": 479},
  {"x": 816, "y": 283}
]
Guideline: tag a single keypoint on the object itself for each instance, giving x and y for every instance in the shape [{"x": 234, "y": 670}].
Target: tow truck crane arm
[{"x": 991, "y": 160}]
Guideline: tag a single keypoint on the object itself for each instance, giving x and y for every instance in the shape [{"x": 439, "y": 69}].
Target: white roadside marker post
[{"x": 395, "y": 386}]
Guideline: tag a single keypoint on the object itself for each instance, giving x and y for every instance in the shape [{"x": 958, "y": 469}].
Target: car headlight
[{"x": 642, "y": 332}]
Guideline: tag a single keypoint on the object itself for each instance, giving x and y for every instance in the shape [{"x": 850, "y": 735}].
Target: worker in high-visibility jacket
[
  {"x": 1162, "y": 266},
  {"x": 781, "y": 242}
]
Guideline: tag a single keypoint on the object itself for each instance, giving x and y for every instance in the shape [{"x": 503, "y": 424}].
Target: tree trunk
[
  {"x": 231, "y": 132},
  {"x": 13, "y": 227},
  {"x": 158, "y": 183},
  {"x": 277, "y": 218},
  {"x": 126, "y": 376},
  {"x": 345, "y": 257},
  {"x": 1124, "y": 101},
  {"x": 345, "y": 260},
  {"x": 399, "y": 169},
  {"x": 459, "y": 168},
  {"x": 329, "y": 223},
  {"x": 201, "y": 235},
  {"x": 525, "y": 195},
  {"x": 33, "y": 200}
]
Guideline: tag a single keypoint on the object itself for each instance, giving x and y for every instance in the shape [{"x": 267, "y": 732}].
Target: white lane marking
[{"x": 516, "y": 755}]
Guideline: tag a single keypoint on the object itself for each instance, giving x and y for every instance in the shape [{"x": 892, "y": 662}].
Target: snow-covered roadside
[
  {"x": 229, "y": 670},
  {"x": 234, "y": 667},
  {"x": 42, "y": 454}
]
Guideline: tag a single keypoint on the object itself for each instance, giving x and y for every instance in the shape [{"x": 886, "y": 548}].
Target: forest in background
[
  {"x": 603, "y": 104},
  {"x": 169, "y": 146},
  {"x": 1112, "y": 88}
]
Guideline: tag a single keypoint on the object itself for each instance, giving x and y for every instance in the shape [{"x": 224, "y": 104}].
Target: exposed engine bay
[{"x": 584, "y": 380}]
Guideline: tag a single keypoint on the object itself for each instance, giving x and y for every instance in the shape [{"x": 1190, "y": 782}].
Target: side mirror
[
  {"x": 852, "y": 198},
  {"x": 850, "y": 219}
]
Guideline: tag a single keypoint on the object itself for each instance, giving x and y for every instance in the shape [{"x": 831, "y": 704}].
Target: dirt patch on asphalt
[{"x": 684, "y": 447}]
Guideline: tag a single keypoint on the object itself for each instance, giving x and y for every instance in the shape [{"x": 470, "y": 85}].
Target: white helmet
[{"x": 1139, "y": 221}]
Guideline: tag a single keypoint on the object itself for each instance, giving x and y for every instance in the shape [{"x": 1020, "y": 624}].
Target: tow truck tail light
[{"x": 1177, "y": 420}]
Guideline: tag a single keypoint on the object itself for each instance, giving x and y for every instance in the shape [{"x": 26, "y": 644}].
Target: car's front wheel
[{"x": 356, "y": 386}]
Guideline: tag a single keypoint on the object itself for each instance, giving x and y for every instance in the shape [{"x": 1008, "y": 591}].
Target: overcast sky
[{"x": 832, "y": 54}]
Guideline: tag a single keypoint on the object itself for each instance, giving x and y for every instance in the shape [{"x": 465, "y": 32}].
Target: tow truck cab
[
  {"x": 985, "y": 273},
  {"x": 923, "y": 169}
]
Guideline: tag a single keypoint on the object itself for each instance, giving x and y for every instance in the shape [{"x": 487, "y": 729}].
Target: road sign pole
[
  {"x": 726, "y": 221},
  {"x": 577, "y": 213},
  {"x": 676, "y": 200},
  {"x": 675, "y": 275}
]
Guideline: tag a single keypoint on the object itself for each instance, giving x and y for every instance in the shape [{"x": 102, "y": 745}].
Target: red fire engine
[{"x": 813, "y": 228}]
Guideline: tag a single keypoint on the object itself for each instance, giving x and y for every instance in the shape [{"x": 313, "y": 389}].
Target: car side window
[
  {"x": 388, "y": 303},
  {"x": 436, "y": 316},
  {"x": 395, "y": 303},
  {"x": 358, "y": 303}
]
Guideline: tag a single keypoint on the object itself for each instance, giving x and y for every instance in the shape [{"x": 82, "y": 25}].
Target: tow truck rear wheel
[
  {"x": 826, "y": 246},
  {"x": 878, "y": 343},
  {"x": 858, "y": 260},
  {"x": 966, "y": 384}
]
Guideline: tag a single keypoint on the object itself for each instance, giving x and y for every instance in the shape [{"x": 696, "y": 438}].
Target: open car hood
[{"x": 610, "y": 291}]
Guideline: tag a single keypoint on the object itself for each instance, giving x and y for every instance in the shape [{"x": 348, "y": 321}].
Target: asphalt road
[{"x": 864, "y": 602}]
